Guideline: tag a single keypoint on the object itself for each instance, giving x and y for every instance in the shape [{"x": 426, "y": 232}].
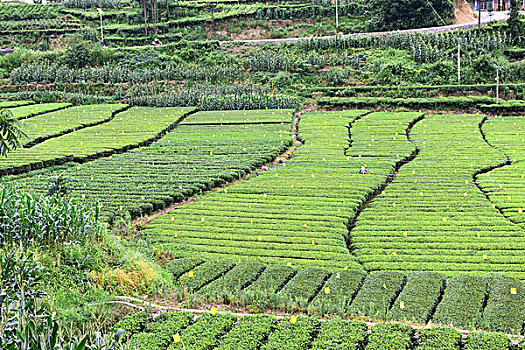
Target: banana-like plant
[{"x": 10, "y": 132}]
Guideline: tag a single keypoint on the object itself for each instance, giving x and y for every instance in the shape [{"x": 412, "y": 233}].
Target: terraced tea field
[
  {"x": 505, "y": 185},
  {"x": 433, "y": 217},
  {"x": 433, "y": 232},
  {"x": 203, "y": 151},
  {"x": 181, "y": 330}
]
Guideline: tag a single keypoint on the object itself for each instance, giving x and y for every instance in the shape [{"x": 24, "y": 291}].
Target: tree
[
  {"x": 10, "y": 132},
  {"x": 78, "y": 55},
  {"x": 59, "y": 184},
  {"x": 406, "y": 14},
  {"x": 514, "y": 23}
]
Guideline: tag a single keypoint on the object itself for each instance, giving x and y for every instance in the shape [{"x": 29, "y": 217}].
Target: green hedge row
[
  {"x": 225, "y": 331},
  {"x": 352, "y": 91},
  {"x": 495, "y": 303},
  {"x": 413, "y": 103}
]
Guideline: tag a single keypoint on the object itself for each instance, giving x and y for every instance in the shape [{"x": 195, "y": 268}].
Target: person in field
[{"x": 363, "y": 170}]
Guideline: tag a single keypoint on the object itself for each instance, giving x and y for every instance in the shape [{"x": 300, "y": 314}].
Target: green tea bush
[
  {"x": 438, "y": 339},
  {"x": 390, "y": 336},
  {"x": 487, "y": 341}
]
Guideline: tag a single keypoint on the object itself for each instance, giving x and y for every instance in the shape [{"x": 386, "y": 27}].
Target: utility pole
[
  {"x": 145, "y": 18},
  {"x": 100, "y": 12},
  {"x": 459, "y": 62},
  {"x": 497, "y": 85},
  {"x": 336, "y": 17},
  {"x": 479, "y": 16}
]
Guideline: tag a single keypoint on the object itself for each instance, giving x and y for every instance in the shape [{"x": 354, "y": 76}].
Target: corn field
[
  {"x": 52, "y": 73},
  {"x": 29, "y": 219}
]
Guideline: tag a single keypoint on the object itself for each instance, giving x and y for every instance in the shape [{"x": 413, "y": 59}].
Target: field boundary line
[
  {"x": 491, "y": 168},
  {"x": 43, "y": 112},
  {"x": 389, "y": 179},
  {"x": 22, "y": 170}
]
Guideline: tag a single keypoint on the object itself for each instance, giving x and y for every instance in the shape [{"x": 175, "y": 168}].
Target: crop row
[
  {"x": 296, "y": 212},
  {"x": 436, "y": 192},
  {"x": 30, "y": 111},
  {"x": 11, "y": 104},
  {"x": 43, "y": 126},
  {"x": 493, "y": 302},
  {"x": 204, "y": 151},
  {"x": 225, "y": 331},
  {"x": 450, "y": 102},
  {"x": 505, "y": 186},
  {"x": 129, "y": 129}
]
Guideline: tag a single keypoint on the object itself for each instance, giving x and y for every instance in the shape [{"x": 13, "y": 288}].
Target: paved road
[{"x": 485, "y": 19}]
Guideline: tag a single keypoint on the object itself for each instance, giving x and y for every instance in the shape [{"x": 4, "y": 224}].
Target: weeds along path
[
  {"x": 433, "y": 217},
  {"x": 503, "y": 184}
]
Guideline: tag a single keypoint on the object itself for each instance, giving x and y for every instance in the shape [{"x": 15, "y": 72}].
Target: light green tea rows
[
  {"x": 433, "y": 217},
  {"x": 505, "y": 186},
  {"x": 295, "y": 213},
  {"x": 188, "y": 160}
]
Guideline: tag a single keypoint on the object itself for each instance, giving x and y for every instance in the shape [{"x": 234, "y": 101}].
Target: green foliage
[
  {"x": 131, "y": 324},
  {"x": 405, "y": 14},
  {"x": 377, "y": 293},
  {"x": 159, "y": 335},
  {"x": 20, "y": 280},
  {"x": 342, "y": 288},
  {"x": 418, "y": 298},
  {"x": 205, "y": 333},
  {"x": 487, "y": 341},
  {"x": 337, "y": 76},
  {"x": 505, "y": 309},
  {"x": 467, "y": 291},
  {"x": 515, "y": 25},
  {"x": 249, "y": 333},
  {"x": 390, "y": 336},
  {"x": 303, "y": 287},
  {"x": 27, "y": 219},
  {"x": 289, "y": 336},
  {"x": 10, "y": 132},
  {"x": 343, "y": 335},
  {"x": 438, "y": 339},
  {"x": 235, "y": 280},
  {"x": 181, "y": 266},
  {"x": 59, "y": 185}
]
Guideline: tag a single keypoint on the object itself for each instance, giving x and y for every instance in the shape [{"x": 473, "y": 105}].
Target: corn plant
[{"x": 30, "y": 219}]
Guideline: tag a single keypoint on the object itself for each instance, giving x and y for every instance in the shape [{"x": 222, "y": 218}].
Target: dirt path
[
  {"x": 279, "y": 159},
  {"x": 464, "y": 12}
]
